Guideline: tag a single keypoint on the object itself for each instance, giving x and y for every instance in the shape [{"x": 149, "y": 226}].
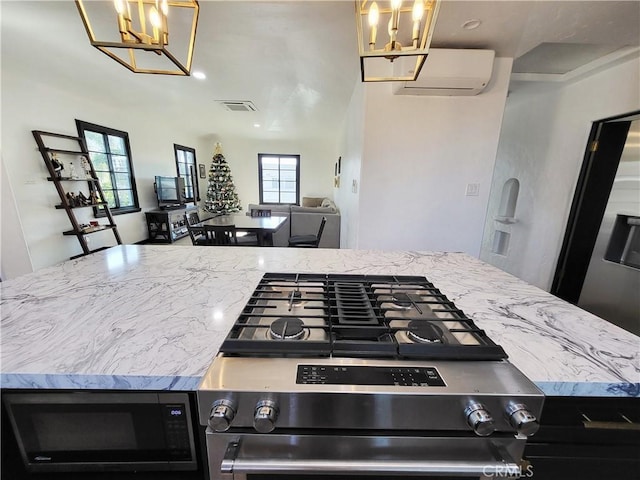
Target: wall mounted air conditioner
[{"x": 447, "y": 72}]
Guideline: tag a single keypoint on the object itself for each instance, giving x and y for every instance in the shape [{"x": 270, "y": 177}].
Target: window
[
  {"x": 279, "y": 178},
  {"x": 111, "y": 157},
  {"x": 186, "y": 168}
]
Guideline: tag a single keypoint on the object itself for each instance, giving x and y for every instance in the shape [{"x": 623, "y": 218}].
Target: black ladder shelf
[{"x": 94, "y": 186}]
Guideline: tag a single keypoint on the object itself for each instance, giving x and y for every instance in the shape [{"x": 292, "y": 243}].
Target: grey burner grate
[{"x": 354, "y": 306}]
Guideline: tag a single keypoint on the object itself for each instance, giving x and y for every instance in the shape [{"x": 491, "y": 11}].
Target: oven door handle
[{"x": 232, "y": 464}]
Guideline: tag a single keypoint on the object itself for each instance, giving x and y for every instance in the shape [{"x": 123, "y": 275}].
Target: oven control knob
[
  {"x": 222, "y": 414},
  {"x": 479, "y": 419},
  {"x": 522, "y": 419},
  {"x": 264, "y": 420}
]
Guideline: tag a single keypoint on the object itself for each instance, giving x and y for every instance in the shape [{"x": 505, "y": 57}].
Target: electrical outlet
[
  {"x": 354, "y": 186},
  {"x": 473, "y": 190}
]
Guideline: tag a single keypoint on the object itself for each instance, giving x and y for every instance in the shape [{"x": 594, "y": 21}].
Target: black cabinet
[
  {"x": 586, "y": 438},
  {"x": 167, "y": 226}
]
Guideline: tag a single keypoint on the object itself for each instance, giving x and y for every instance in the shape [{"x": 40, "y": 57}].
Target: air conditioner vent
[
  {"x": 238, "y": 105},
  {"x": 448, "y": 72}
]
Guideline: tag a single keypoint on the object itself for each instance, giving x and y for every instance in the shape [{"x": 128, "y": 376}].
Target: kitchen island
[{"x": 152, "y": 317}]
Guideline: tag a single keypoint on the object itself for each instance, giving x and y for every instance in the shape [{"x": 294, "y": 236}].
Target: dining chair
[
  {"x": 260, "y": 212},
  {"x": 226, "y": 235},
  {"x": 250, "y": 238},
  {"x": 197, "y": 234},
  {"x": 308, "y": 241},
  {"x": 247, "y": 238}
]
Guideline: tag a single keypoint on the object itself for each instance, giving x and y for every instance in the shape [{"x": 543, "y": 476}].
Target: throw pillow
[{"x": 312, "y": 201}]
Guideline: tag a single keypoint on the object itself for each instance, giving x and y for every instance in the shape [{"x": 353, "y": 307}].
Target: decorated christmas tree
[{"x": 221, "y": 194}]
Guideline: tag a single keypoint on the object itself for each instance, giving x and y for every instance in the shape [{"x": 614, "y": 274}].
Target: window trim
[
  {"x": 279, "y": 155},
  {"x": 81, "y": 125},
  {"x": 194, "y": 173}
]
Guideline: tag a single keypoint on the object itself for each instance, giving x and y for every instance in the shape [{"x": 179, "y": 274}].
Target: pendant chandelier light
[
  {"x": 394, "y": 30},
  {"x": 135, "y": 33}
]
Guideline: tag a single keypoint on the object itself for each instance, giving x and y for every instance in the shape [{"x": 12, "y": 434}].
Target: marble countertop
[{"x": 154, "y": 316}]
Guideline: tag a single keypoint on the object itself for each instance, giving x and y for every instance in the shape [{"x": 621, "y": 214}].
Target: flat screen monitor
[{"x": 170, "y": 192}]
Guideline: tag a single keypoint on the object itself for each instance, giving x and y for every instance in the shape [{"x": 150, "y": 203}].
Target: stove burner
[
  {"x": 295, "y": 298},
  {"x": 401, "y": 301},
  {"x": 287, "y": 328},
  {"x": 424, "y": 332}
]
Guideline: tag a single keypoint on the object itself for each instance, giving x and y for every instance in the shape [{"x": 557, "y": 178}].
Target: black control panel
[
  {"x": 363, "y": 375},
  {"x": 177, "y": 432}
]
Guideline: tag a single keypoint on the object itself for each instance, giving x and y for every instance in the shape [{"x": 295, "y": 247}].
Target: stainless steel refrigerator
[{"x": 611, "y": 287}]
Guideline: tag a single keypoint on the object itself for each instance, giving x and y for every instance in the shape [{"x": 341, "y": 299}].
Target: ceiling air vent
[{"x": 238, "y": 105}]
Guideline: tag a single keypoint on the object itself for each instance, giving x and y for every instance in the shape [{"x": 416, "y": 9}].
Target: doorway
[{"x": 596, "y": 268}]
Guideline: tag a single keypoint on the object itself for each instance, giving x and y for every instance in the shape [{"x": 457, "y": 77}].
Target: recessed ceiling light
[
  {"x": 199, "y": 75},
  {"x": 471, "y": 24},
  {"x": 257, "y": 125}
]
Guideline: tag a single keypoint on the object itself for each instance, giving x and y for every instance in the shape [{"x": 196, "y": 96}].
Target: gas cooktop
[
  {"x": 380, "y": 316},
  {"x": 350, "y": 370}
]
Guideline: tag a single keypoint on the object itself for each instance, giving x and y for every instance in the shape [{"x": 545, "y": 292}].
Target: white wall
[
  {"x": 14, "y": 255},
  {"x": 542, "y": 144},
  {"x": 316, "y": 164},
  {"x": 347, "y": 195},
  {"x": 419, "y": 155}
]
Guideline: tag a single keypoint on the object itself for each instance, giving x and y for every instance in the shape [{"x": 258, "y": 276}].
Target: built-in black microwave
[{"x": 96, "y": 431}]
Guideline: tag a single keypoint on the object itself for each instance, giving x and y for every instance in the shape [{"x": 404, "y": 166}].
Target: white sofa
[{"x": 305, "y": 220}]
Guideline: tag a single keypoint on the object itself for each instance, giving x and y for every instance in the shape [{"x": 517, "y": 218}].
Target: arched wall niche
[{"x": 509, "y": 200}]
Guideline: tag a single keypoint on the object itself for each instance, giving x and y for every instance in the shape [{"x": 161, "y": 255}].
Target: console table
[{"x": 167, "y": 226}]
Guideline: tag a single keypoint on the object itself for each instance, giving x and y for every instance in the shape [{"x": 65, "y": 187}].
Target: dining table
[{"x": 263, "y": 227}]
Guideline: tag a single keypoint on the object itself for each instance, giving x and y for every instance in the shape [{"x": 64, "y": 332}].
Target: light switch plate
[{"x": 473, "y": 190}]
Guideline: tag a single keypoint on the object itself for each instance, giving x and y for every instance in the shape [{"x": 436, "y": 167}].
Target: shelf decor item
[
  {"x": 84, "y": 161},
  {"x": 72, "y": 172},
  {"x": 394, "y": 38},
  {"x": 57, "y": 165},
  {"x": 135, "y": 33}
]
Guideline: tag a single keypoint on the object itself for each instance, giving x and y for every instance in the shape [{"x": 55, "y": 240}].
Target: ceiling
[{"x": 296, "y": 61}]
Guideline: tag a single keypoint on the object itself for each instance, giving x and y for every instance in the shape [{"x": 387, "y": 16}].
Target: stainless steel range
[{"x": 371, "y": 376}]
